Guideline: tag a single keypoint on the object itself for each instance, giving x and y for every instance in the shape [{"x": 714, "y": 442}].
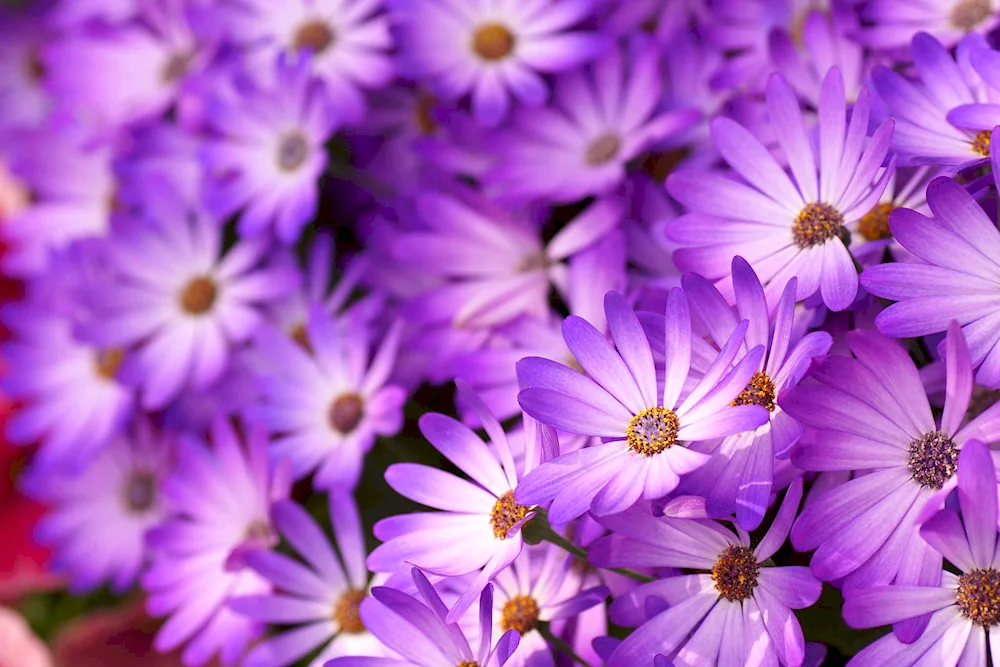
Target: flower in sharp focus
[
  {"x": 890, "y": 24},
  {"x": 321, "y": 596},
  {"x": 218, "y": 502},
  {"x": 964, "y": 607},
  {"x": 646, "y": 430},
  {"x": 418, "y": 630},
  {"x": 737, "y": 608},
  {"x": 479, "y": 527},
  {"x": 783, "y": 226}
]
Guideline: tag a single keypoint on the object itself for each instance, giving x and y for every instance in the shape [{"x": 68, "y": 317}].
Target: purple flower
[
  {"x": 479, "y": 527},
  {"x": 218, "y": 499},
  {"x": 268, "y": 153},
  {"x": 785, "y": 226},
  {"x": 890, "y": 24},
  {"x": 603, "y": 118},
  {"x": 740, "y": 475},
  {"x": 325, "y": 396},
  {"x": 321, "y": 596},
  {"x": 870, "y": 413},
  {"x": 419, "y": 631},
  {"x": 964, "y": 609},
  {"x": 492, "y": 51},
  {"x": 646, "y": 428},
  {"x": 737, "y": 610},
  {"x": 99, "y": 515},
  {"x": 952, "y": 276}
]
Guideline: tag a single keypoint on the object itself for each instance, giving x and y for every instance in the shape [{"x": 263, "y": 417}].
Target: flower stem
[{"x": 558, "y": 644}]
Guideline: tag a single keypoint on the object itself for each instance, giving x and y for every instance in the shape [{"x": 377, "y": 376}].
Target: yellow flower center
[
  {"x": 735, "y": 573},
  {"x": 978, "y": 597},
  {"x": 759, "y": 391},
  {"x": 874, "y": 225},
  {"x": 506, "y": 514},
  {"x": 652, "y": 431},
  {"x": 816, "y": 224},
  {"x": 493, "y": 41},
  {"x": 520, "y": 613},
  {"x": 346, "y": 612}
]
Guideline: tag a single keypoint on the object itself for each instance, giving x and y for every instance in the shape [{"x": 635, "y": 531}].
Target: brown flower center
[
  {"x": 506, "y": 514},
  {"x": 520, "y": 613},
  {"x": 108, "y": 362},
  {"x": 198, "y": 296},
  {"x": 981, "y": 143},
  {"x": 301, "y": 336},
  {"x": 346, "y": 612},
  {"x": 34, "y": 66},
  {"x": 140, "y": 492},
  {"x": 735, "y": 573},
  {"x": 978, "y": 597},
  {"x": 604, "y": 149},
  {"x": 760, "y": 391},
  {"x": 652, "y": 431},
  {"x": 424, "y": 113},
  {"x": 316, "y": 36},
  {"x": 292, "y": 151},
  {"x": 933, "y": 459},
  {"x": 816, "y": 224},
  {"x": 874, "y": 225},
  {"x": 967, "y": 15},
  {"x": 346, "y": 413},
  {"x": 493, "y": 41},
  {"x": 176, "y": 67},
  {"x": 468, "y": 663}
]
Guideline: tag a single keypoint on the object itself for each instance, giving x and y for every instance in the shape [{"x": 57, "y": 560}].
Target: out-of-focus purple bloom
[
  {"x": 891, "y": 24},
  {"x": 736, "y": 610},
  {"x": 603, "y": 118},
  {"x": 72, "y": 14},
  {"x": 419, "y": 631},
  {"x": 218, "y": 500},
  {"x": 24, "y": 100},
  {"x": 952, "y": 276},
  {"x": 672, "y": 18},
  {"x": 492, "y": 51},
  {"x": 646, "y": 427},
  {"x": 785, "y": 226}
]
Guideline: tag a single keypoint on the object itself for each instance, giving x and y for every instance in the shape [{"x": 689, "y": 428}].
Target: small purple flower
[
  {"x": 952, "y": 275},
  {"x": 737, "y": 610},
  {"x": 419, "y": 631},
  {"x": 603, "y": 118},
  {"x": 964, "y": 608},
  {"x": 646, "y": 427},
  {"x": 785, "y": 226},
  {"x": 268, "y": 153},
  {"x": 890, "y": 24}
]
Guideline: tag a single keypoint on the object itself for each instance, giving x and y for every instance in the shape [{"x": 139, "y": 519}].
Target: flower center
[
  {"x": 520, "y": 613},
  {"x": 346, "y": 413},
  {"x": 468, "y": 663},
  {"x": 604, "y": 149},
  {"x": 292, "y": 151},
  {"x": 346, "y": 612},
  {"x": 176, "y": 67},
  {"x": 652, "y": 431},
  {"x": 108, "y": 362},
  {"x": 424, "y": 114},
  {"x": 933, "y": 459},
  {"x": 34, "y": 66},
  {"x": 967, "y": 15},
  {"x": 140, "y": 492},
  {"x": 301, "y": 336},
  {"x": 316, "y": 36},
  {"x": 493, "y": 41},
  {"x": 874, "y": 225},
  {"x": 506, "y": 514},
  {"x": 816, "y": 224},
  {"x": 981, "y": 143},
  {"x": 978, "y": 597},
  {"x": 259, "y": 531},
  {"x": 760, "y": 391},
  {"x": 198, "y": 296},
  {"x": 735, "y": 573}
]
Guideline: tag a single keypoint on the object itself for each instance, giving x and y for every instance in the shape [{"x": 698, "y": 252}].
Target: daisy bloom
[{"x": 889, "y": 24}]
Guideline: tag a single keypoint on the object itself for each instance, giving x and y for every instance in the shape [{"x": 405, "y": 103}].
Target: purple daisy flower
[
  {"x": 870, "y": 413},
  {"x": 964, "y": 609},
  {"x": 952, "y": 276},
  {"x": 492, "y": 50},
  {"x": 737, "y": 610},
  {"x": 419, "y": 630},
  {"x": 268, "y": 153},
  {"x": 646, "y": 429},
  {"x": 890, "y": 24},
  {"x": 740, "y": 476},
  {"x": 173, "y": 293},
  {"x": 783, "y": 226},
  {"x": 321, "y": 596},
  {"x": 479, "y": 527},
  {"x": 325, "y": 396},
  {"x": 99, "y": 515},
  {"x": 218, "y": 499},
  {"x": 603, "y": 118}
]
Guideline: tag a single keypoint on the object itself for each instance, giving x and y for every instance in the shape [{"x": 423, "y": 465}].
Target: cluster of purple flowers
[{"x": 717, "y": 281}]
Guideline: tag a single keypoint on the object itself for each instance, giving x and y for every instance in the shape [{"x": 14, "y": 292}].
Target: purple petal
[
  {"x": 958, "y": 389},
  {"x": 977, "y": 495},
  {"x": 461, "y": 446},
  {"x": 839, "y": 282},
  {"x": 727, "y": 422},
  {"x": 794, "y": 587},
  {"x": 632, "y": 345},
  {"x": 790, "y": 130},
  {"x": 602, "y": 362},
  {"x": 439, "y": 489},
  {"x": 677, "y": 346},
  {"x": 884, "y": 605},
  {"x": 944, "y": 532},
  {"x": 752, "y": 161},
  {"x": 782, "y": 626},
  {"x": 778, "y": 532},
  {"x": 569, "y": 414}
]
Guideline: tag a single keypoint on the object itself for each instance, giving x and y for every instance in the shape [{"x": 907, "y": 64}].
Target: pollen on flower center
[
  {"x": 759, "y": 391},
  {"x": 978, "y": 597},
  {"x": 468, "y": 663},
  {"x": 604, "y": 149},
  {"x": 198, "y": 296},
  {"x": 140, "y": 492},
  {"x": 981, "y": 143},
  {"x": 967, "y": 15},
  {"x": 816, "y": 224},
  {"x": 316, "y": 36},
  {"x": 506, "y": 514},
  {"x": 493, "y": 41},
  {"x": 933, "y": 459},
  {"x": 346, "y": 612},
  {"x": 108, "y": 362},
  {"x": 520, "y": 613},
  {"x": 346, "y": 413},
  {"x": 652, "y": 431},
  {"x": 874, "y": 225},
  {"x": 292, "y": 151},
  {"x": 735, "y": 573}
]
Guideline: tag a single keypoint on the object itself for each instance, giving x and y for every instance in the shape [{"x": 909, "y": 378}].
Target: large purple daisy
[{"x": 890, "y": 24}]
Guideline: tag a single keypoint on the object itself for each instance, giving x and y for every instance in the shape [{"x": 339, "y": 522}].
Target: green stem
[{"x": 559, "y": 645}]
